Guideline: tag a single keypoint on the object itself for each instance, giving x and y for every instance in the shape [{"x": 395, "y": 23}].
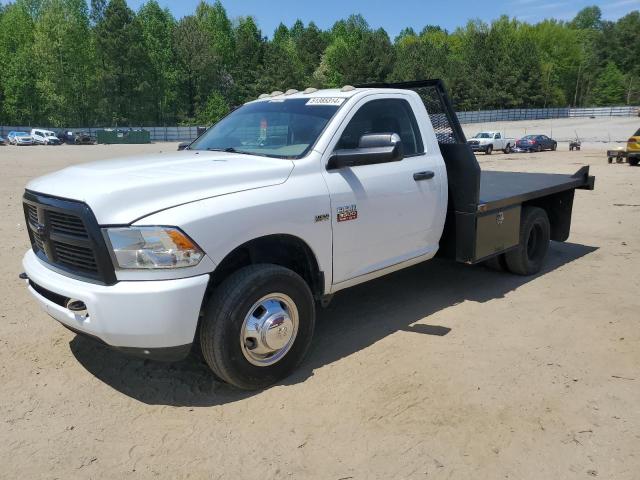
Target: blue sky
[{"x": 393, "y": 16}]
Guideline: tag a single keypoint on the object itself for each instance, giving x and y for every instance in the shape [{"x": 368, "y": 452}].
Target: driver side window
[{"x": 384, "y": 116}]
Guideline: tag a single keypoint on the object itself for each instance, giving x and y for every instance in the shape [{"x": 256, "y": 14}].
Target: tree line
[{"x": 68, "y": 63}]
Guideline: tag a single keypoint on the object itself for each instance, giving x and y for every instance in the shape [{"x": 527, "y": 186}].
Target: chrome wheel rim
[{"x": 269, "y": 329}]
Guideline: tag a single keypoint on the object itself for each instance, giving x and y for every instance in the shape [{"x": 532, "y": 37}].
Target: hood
[{"x": 122, "y": 190}]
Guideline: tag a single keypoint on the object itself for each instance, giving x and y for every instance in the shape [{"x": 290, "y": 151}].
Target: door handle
[{"x": 419, "y": 176}]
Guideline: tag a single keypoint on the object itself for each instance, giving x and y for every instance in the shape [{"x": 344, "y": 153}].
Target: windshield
[
  {"x": 21, "y": 134},
  {"x": 482, "y": 135},
  {"x": 528, "y": 137},
  {"x": 637, "y": 134},
  {"x": 49, "y": 134},
  {"x": 274, "y": 128}
]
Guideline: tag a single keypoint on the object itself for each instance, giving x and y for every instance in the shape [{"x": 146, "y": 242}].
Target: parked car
[
  {"x": 20, "y": 138},
  {"x": 84, "y": 138},
  {"x": 487, "y": 142},
  {"x": 44, "y": 137},
  {"x": 2, "y": 141},
  {"x": 66, "y": 136},
  {"x": 233, "y": 242},
  {"x": 536, "y": 143}
]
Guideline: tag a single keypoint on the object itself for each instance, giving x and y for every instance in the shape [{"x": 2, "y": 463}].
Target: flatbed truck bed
[{"x": 484, "y": 210}]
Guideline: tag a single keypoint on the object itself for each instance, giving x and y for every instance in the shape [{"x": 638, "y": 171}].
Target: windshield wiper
[{"x": 228, "y": 149}]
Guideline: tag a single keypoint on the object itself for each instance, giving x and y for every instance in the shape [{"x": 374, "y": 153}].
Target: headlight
[{"x": 152, "y": 247}]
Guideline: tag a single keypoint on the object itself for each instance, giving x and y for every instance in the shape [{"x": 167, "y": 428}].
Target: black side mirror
[
  {"x": 373, "y": 148},
  {"x": 183, "y": 145}
]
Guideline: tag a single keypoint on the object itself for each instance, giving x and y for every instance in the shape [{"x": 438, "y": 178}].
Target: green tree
[
  {"x": 17, "y": 71},
  {"x": 213, "y": 110},
  {"x": 63, "y": 53},
  {"x": 356, "y": 54},
  {"x": 610, "y": 87},
  {"x": 158, "y": 27},
  {"x": 122, "y": 75},
  {"x": 198, "y": 66},
  {"x": 249, "y": 54}
]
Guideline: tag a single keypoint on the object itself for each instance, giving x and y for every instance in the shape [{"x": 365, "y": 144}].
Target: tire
[
  {"x": 610, "y": 159},
  {"x": 489, "y": 150},
  {"x": 234, "y": 303},
  {"x": 535, "y": 234},
  {"x": 496, "y": 263},
  {"x": 539, "y": 148},
  {"x": 633, "y": 161},
  {"x": 507, "y": 149},
  {"x": 554, "y": 147}
]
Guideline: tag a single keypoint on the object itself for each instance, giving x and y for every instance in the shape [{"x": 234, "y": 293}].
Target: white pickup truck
[
  {"x": 487, "y": 142},
  {"x": 231, "y": 243}
]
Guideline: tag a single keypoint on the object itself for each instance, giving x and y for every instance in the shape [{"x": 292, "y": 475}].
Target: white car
[
  {"x": 288, "y": 200},
  {"x": 487, "y": 142},
  {"x": 44, "y": 137}
]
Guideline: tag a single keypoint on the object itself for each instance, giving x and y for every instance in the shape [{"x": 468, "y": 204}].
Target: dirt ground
[{"x": 440, "y": 371}]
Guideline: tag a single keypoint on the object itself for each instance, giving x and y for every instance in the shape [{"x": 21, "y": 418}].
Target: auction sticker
[{"x": 326, "y": 101}]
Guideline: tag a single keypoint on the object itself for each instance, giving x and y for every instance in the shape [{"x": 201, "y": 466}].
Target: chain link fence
[{"x": 181, "y": 134}]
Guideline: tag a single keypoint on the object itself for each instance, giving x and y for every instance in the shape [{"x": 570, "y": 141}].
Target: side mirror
[
  {"x": 183, "y": 145},
  {"x": 373, "y": 148}
]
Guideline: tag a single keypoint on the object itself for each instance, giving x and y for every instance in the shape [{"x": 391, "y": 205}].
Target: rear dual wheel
[{"x": 535, "y": 235}]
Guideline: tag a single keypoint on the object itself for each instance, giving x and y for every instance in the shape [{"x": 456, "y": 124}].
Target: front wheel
[
  {"x": 489, "y": 150},
  {"x": 258, "y": 326},
  {"x": 507, "y": 149},
  {"x": 554, "y": 147},
  {"x": 633, "y": 161},
  {"x": 539, "y": 148},
  {"x": 535, "y": 234}
]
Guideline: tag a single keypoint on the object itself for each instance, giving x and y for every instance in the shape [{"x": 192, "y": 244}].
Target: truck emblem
[
  {"x": 500, "y": 218},
  {"x": 346, "y": 213},
  {"x": 40, "y": 229},
  {"x": 322, "y": 218}
]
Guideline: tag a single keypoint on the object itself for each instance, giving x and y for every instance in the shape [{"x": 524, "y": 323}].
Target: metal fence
[
  {"x": 179, "y": 134},
  {"x": 517, "y": 114}
]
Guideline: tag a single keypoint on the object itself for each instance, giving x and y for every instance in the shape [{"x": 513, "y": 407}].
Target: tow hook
[
  {"x": 77, "y": 306},
  {"x": 23, "y": 276}
]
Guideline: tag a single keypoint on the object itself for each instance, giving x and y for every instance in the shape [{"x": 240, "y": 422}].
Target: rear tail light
[{"x": 633, "y": 140}]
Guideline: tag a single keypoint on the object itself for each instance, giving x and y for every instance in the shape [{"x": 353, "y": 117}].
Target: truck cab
[{"x": 232, "y": 242}]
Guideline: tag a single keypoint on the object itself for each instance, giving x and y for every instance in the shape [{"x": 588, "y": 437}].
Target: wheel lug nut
[{"x": 251, "y": 343}]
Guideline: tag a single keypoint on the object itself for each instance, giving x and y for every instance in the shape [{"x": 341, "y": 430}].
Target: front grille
[
  {"x": 74, "y": 256},
  {"x": 66, "y": 224},
  {"x": 65, "y": 234}
]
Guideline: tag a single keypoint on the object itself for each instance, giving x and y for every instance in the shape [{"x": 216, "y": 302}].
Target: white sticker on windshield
[{"x": 326, "y": 101}]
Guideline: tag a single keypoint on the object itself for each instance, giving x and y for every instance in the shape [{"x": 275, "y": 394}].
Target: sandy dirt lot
[{"x": 440, "y": 371}]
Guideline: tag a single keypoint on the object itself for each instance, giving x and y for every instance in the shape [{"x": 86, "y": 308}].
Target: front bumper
[
  {"x": 478, "y": 148},
  {"x": 156, "y": 319}
]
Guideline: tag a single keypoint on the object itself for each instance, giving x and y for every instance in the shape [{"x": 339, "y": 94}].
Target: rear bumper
[{"x": 154, "y": 319}]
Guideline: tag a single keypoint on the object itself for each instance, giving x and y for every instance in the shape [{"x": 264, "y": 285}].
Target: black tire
[
  {"x": 229, "y": 305},
  {"x": 535, "y": 234},
  {"x": 507, "y": 149},
  {"x": 489, "y": 150},
  {"x": 633, "y": 161},
  {"x": 610, "y": 159},
  {"x": 496, "y": 263},
  {"x": 539, "y": 148},
  {"x": 554, "y": 147}
]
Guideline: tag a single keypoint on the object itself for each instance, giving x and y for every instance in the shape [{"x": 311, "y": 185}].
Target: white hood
[{"x": 122, "y": 190}]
